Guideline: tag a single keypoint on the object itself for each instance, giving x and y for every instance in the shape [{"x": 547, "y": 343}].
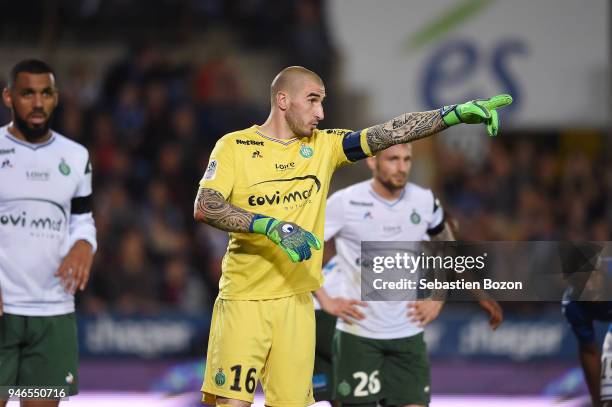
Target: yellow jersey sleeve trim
[{"x": 364, "y": 142}]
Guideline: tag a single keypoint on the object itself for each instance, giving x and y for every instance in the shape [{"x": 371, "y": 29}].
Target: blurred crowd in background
[
  {"x": 150, "y": 124},
  {"x": 546, "y": 185}
]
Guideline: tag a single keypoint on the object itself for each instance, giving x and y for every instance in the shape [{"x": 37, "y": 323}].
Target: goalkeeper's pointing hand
[
  {"x": 476, "y": 111},
  {"x": 294, "y": 240}
]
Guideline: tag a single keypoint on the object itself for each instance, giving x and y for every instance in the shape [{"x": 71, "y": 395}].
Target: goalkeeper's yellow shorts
[{"x": 272, "y": 341}]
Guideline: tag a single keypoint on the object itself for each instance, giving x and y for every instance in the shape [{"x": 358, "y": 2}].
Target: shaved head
[
  {"x": 289, "y": 80},
  {"x": 297, "y": 96}
]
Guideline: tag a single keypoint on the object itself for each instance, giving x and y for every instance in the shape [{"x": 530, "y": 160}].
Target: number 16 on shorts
[{"x": 237, "y": 378}]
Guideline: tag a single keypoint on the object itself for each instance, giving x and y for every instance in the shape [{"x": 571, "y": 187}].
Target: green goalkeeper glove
[
  {"x": 476, "y": 111},
  {"x": 294, "y": 240}
]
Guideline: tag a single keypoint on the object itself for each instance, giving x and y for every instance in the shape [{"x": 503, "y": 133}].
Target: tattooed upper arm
[
  {"x": 211, "y": 207},
  {"x": 404, "y": 129}
]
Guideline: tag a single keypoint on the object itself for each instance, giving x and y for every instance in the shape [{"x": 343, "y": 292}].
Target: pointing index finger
[{"x": 497, "y": 101}]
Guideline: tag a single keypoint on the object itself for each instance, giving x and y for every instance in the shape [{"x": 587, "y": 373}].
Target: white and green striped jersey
[{"x": 45, "y": 207}]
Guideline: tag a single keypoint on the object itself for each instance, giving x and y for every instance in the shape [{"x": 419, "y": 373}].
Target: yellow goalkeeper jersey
[{"x": 285, "y": 179}]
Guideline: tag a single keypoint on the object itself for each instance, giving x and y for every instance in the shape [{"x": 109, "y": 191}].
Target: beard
[
  {"x": 32, "y": 135},
  {"x": 390, "y": 185},
  {"x": 294, "y": 125}
]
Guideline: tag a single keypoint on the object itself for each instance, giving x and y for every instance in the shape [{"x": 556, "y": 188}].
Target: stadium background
[{"x": 149, "y": 87}]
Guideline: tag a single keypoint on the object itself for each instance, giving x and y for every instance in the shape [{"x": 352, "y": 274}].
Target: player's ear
[
  {"x": 55, "y": 98},
  {"x": 282, "y": 100},
  {"x": 6, "y": 98}
]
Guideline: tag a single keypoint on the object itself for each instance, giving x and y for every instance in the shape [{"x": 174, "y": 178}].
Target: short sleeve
[
  {"x": 220, "y": 171},
  {"x": 436, "y": 225},
  {"x": 334, "y": 216},
  {"x": 84, "y": 187},
  {"x": 348, "y": 146}
]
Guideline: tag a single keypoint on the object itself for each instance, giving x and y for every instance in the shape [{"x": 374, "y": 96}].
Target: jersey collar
[
  {"x": 383, "y": 200},
  {"x": 280, "y": 141},
  {"x": 32, "y": 146}
]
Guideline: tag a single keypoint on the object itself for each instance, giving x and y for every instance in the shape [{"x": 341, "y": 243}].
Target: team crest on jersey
[
  {"x": 344, "y": 389},
  {"x": 220, "y": 378},
  {"x": 306, "y": 151},
  {"x": 415, "y": 217},
  {"x": 64, "y": 168}
]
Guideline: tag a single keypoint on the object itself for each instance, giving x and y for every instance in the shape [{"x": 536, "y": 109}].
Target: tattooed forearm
[
  {"x": 210, "y": 207},
  {"x": 404, "y": 129}
]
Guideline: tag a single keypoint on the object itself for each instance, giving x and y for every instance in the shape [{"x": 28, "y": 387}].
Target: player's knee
[
  {"x": 372, "y": 404},
  {"x": 223, "y": 402}
]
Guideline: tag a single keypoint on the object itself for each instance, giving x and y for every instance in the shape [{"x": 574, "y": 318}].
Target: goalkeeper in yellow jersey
[{"x": 267, "y": 186}]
